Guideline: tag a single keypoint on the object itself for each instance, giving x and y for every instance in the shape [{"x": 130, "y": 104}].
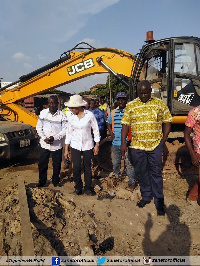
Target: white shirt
[
  {"x": 67, "y": 112},
  {"x": 51, "y": 125},
  {"x": 78, "y": 133}
]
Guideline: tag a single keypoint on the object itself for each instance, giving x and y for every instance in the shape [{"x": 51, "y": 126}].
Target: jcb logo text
[{"x": 80, "y": 66}]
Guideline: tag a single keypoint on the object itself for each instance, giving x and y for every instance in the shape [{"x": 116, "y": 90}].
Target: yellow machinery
[
  {"x": 73, "y": 66},
  {"x": 171, "y": 65}
]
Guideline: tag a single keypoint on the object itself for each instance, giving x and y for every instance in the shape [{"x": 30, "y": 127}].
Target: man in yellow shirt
[
  {"x": 103, "y": 106},
  {"x": 146, "y": 116}
]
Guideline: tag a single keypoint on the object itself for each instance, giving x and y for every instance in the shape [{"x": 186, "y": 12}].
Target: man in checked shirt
[
  {"x": 150, "y": 122},
  {"x": 51, "y": 128}
]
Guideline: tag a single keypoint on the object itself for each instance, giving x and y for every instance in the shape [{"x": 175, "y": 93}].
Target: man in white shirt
[{"x": 51, "y": 128}]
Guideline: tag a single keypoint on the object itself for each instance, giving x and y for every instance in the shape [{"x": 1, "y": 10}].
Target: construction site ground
[{"x": 65, "y": 224}]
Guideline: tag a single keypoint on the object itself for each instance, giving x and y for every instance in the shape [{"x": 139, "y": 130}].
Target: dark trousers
[
  {"x": 148, "y": 171},
  {"x": 43, "y": 165},
  {"x": 76, "y": 160}
]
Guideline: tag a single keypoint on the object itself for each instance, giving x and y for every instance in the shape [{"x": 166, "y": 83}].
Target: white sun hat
[{"x": 76, "y": 101}]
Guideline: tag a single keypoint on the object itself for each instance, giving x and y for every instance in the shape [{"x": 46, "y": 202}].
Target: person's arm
[
  {"x": 67, "y": 154},
  {"x": 62, "y": 133},
  {"x": 188, "y": 142},
  {"x": 96, "y": 148},
  {"x": 109, "y": 127},
  {"x": 108, "y": 110},
  {"x": 124, "y": 134},
  {"x": 40, "y": 131},
  {"x": 69, "y": 132},
  {"x": 166, "y": 130},
  {"x": 95, "y": 129}
]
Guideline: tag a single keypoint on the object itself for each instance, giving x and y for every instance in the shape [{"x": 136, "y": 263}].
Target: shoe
[
  {"x": 56, "y": 182},
  {"x": 40, "y": 185},
  {"x": 90, "y": 192},
  {"x": 161, "y": 211},
  {"x": 97, "y": 177},
  {"x": 78, "y": 191},
  {"x": 142, "y": 203}
]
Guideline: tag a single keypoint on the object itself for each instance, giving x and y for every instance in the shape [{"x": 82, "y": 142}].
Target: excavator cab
[{"x": 172, "y": 66}]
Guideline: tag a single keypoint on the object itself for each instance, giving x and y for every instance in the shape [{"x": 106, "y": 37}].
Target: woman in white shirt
[{"x": 81, "y": 125}]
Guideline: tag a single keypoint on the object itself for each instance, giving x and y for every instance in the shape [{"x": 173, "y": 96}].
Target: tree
[
  {"x": 112, "y": 84},
  {"x": 116, "y": 86}
]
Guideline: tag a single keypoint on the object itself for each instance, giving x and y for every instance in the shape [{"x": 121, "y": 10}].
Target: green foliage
[
  {"x": 85, "y": 93},
  {"x": 104, "y": 90},
  {"x": 116, "y": 86}
]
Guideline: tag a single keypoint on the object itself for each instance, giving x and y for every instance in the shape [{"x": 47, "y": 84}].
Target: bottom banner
[{"x": 101, "y": 260}]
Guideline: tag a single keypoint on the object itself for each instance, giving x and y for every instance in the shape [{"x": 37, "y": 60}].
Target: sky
[{"x": 35, "y": 33}]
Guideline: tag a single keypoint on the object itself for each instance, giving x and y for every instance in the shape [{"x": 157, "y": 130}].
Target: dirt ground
[{"x": 107, "y": 224}]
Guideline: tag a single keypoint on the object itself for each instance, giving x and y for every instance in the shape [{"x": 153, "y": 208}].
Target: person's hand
[
  {"x": 112, "y": 135},
  {"x": 195, "y": 159},
  {"x": 51, "y": 139},
  {"x": 67, "y": 154},
  {"x": 123, "y": 149},
  {"x": 47, "y": 140},
  {"x": 96, "y": 149},
  {"x": 164, "y": 140}
]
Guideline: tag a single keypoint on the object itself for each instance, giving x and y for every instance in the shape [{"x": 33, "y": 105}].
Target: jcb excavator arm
[{"x": 76, "y": 66}]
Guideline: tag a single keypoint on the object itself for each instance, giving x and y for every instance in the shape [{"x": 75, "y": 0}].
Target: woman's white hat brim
[{"x": 75, "y": 101}]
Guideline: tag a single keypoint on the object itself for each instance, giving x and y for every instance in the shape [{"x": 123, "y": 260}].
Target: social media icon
[
  {"x": 147, "y": 260},
  {"x": 55, "y": 261},
  {"x": 101, "y": 260}
]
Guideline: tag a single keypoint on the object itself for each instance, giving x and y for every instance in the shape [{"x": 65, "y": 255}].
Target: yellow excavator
[
  {"x": 71, "y": 66},
  {"x": 172, "y": 66}
]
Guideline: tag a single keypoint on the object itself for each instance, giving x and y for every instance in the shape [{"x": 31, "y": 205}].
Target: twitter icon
[{"x": 101, "y": 260}]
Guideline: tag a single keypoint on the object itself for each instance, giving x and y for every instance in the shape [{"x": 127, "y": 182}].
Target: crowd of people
[{"x": 138, "y": 130}]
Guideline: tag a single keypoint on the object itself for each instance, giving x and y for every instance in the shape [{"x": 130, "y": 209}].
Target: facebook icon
[{"x": 55, "y": 261}]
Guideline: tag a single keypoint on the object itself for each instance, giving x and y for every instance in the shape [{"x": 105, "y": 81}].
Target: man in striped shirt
[
  {"x": 150, "y": 121},
  {"x": 115, "y": 128}
]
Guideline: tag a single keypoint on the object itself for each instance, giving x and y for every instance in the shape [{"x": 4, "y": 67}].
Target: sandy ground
[{"x": 107, "y": 224}]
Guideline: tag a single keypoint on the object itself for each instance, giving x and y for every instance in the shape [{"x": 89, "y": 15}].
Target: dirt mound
[{"x": 106, "y": 224}]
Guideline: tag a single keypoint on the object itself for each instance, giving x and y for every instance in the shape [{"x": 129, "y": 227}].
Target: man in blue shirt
[
  {"x": 100, "y": 117},
  {"x": 114, "y": 127}
]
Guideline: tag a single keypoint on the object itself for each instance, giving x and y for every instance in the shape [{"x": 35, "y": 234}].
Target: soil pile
[{"x": 106, "y": 224}]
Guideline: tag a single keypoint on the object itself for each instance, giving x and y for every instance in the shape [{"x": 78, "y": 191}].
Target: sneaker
[{"x": 142, "y": 203}]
